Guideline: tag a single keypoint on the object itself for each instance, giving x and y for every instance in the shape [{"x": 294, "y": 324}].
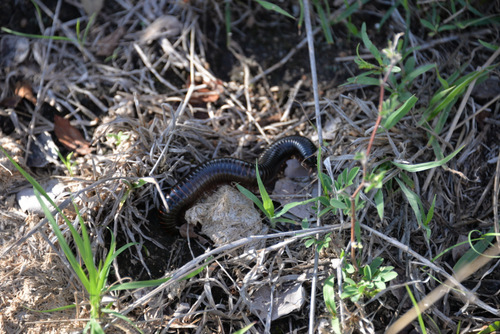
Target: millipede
[{"x": 216, "y": 172}]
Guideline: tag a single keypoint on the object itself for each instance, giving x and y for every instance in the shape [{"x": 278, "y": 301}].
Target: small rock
[{"x": 29, "y": 203}]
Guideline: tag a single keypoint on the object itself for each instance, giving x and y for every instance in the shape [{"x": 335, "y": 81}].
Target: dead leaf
[
  {"x": 107, "y": 45},
  {"x": 286, "y": 300},
  {"x": 188, "y": 231},
  {"x": 92, "y": 6},
  {"x": 70, "y": 137},
  {"x": 288, "y": 190},
  {"x": 24, "y": 91},
  {"x": 209, "y": 94},
  {"x": 167, "y": 25}
]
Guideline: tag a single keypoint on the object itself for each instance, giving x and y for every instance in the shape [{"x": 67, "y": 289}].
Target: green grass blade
[
  {"x": 64, "y": 245},
  {"x": 270, "y": 6},
  {"x": 427, "y": 165},
  {"x": 415, "y": 304},
  {"x": 124, "y": 318},
  {"x": 17, "y": 33},
  {"x": 84, "y": 246},
  {"x": 138, "y": 284},
  {"x": 62, "y": 308},
  {"x": 31, "y": 180},
  {"x": 401, "y": 112},
  {"x": 418, "y": 71},
  {"x": 476, "y": 250},
  {"x": 324, "y": 22},
  {"x": 379, "y": 203},
  {"x": 413, "y": 199},
  {"x": 253, "y": 198},
  {"x": 244, "y": 329},
  {"x": 266, "y": 200},
  {"x": 453, "y": 93}
]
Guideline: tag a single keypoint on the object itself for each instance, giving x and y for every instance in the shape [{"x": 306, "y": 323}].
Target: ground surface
[{"x": 126, "y": 90}]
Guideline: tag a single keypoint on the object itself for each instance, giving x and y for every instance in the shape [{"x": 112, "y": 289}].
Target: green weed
[
  {"x": 372, "y": 280},
  {"x": 67, "y": 162},
  {"x": 119, "y": 137}
]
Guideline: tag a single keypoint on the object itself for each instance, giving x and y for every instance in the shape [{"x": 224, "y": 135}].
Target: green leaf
[
  {"x": 419, "y": 314},
  {"x": 364, "y": 79},
  {"x": 379, "y": 203},
  {"x": 266, "y": 200},
  {"x": 55, "y": 38},
  {"x": 490, "y": 46},
  {"x": 326, "y": 182},
  {"x": 64, "y": 245},
  {"x": 351, "y": 175},
  {"x": 324, "y": 22},
  {"x": 253, "y": 198},
  {"x": 450, "y": 95},
  {"x": 338, "y": 204},
  {"x": 389, "y": 276},
  {"x": 309, "y": 242},
  {"x": 62, "y": 308},
  {"x": 376, "y": 262},
  {"x": 352, "y": 28},
  {"x": 477, "y": 249},
  {"x": 427, "y": 165},
  {"x": 349, "y": 268},
  {"x": 430, "y": 214},
  {"x": 493, "y": 328},
  {"x": 270, "y": 6},
  {"x": 401, "y": 112},
  {"x": 414, "y": 201},
  {"x": 369, "y": 45},
  {"x": 427, "y": 24},
  {"x": 288, "y": 206},
  {"x": 244, "y": 329},
  {"x": 329, "y": 295},
  {"x": 367, "y": 273}
]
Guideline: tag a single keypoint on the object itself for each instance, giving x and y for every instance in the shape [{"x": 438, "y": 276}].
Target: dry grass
[{"x": 244, "y": 97}]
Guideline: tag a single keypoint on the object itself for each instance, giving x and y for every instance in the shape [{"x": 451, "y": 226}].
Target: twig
[
  {"x": 221, "y": 251},
  {"x": 314, "y": 76}
]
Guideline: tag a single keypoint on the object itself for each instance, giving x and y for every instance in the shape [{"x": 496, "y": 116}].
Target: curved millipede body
[{"x": 213, "y": 173}]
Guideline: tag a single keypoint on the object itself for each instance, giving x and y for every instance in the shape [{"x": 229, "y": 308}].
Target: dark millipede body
[{"x": 213, "y": 173}]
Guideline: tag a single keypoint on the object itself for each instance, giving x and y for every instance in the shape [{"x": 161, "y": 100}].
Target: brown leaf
[
  {"x": 24, "y": 91},
  {"x": 107, "y": 45},
  {"x": 70, "y": 137},
  {"x": 209, "y": 94}
]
